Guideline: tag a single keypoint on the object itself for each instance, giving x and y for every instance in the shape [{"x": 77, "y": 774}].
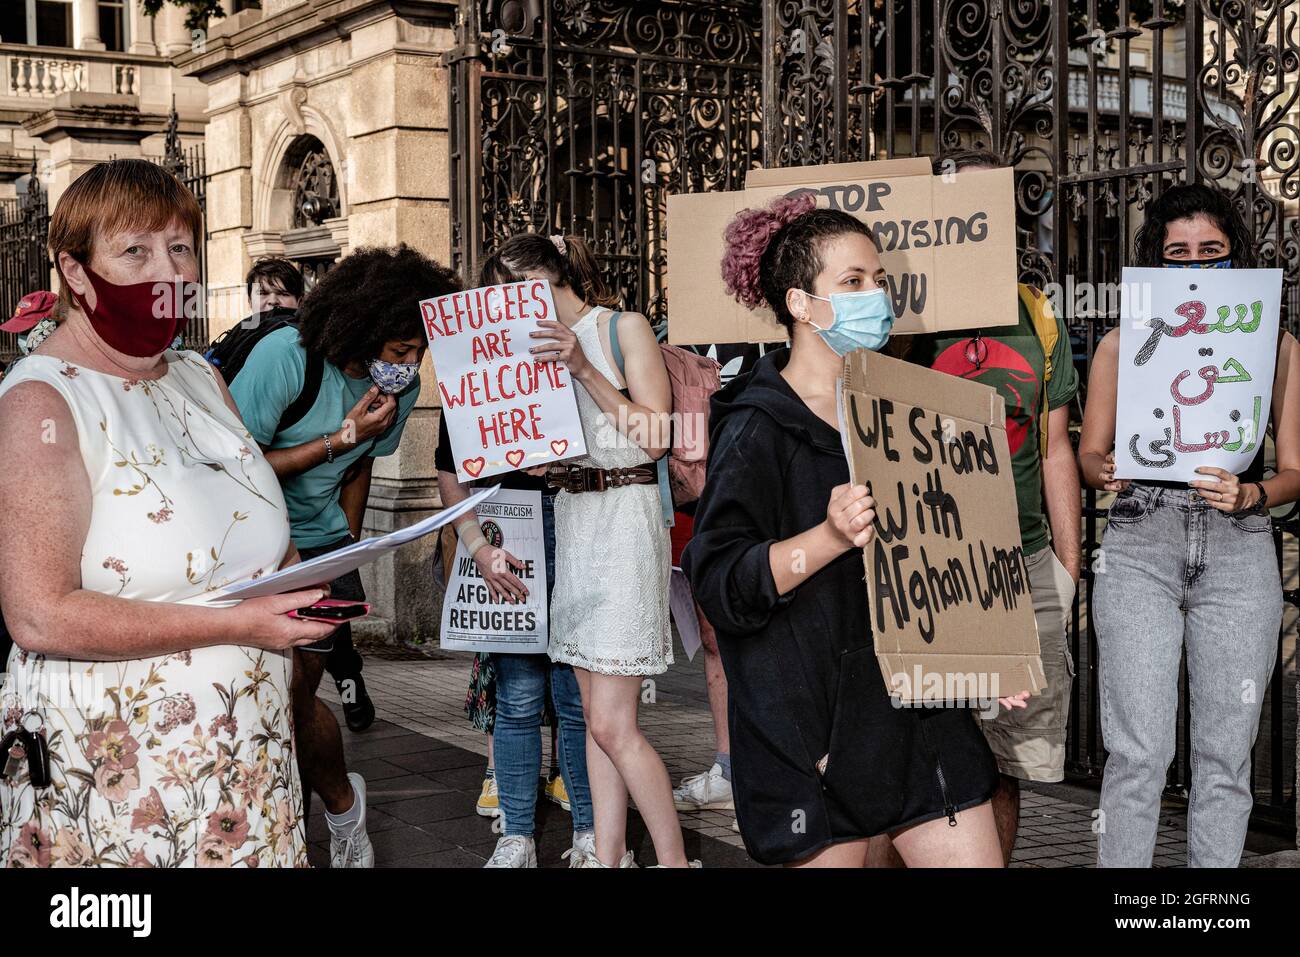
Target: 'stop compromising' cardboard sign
[
  {"x": 951, "y": 612},
  {"x": 948, "y": 244}
]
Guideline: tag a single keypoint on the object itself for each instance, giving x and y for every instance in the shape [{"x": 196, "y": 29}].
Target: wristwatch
[{"x": 1263, "y": 496}]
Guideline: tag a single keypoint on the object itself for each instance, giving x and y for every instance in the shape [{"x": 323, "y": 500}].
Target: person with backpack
[
  {"x": 274, "y": 289},
  {"x": 1031, "y": 366},
  {"x": 360, "y": 331},
  {"x": 273, "y": 283},
  {"x": 609, "y": 608}
]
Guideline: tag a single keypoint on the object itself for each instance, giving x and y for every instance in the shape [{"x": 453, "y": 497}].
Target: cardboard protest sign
[
  {"x": 1197, "y": 350},
  {"x": 504, "y": 409},
  {"x": 950, "y": 606},
  {"x": 472, "y": 620},
  {"x": 936, "y": 235}
]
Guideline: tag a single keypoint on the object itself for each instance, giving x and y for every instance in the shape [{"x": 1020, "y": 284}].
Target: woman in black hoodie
[{"x": 822, "y": 758}]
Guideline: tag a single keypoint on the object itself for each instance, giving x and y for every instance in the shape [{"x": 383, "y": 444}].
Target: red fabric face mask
[{"x": 138, "y": 319}]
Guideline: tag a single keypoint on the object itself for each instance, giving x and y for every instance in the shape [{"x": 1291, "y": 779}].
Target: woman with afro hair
[
  {"x": 359, "y": 342},
  {"x": 822, "y": 759}
]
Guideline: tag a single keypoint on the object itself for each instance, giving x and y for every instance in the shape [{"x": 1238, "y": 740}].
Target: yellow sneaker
[
  {"x": 556, "y": 792},
  {"x": 488, "y": 805}
]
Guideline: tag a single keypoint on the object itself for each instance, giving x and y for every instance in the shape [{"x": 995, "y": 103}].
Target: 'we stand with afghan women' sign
[
  {"x": 505, "y": 410},
  {"x": 1197, "y": 350}
]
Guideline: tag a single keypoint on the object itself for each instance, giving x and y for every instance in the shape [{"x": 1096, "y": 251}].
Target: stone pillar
[
  {"x": 141, "y": 31},
  {"x": 397, "y": 135},
  {"x": 229, "y": 152},
  {"x": 87, "y": 21},
  {"x": 173, "y": 35}
]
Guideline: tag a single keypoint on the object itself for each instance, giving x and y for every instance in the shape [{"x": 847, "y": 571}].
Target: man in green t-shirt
[
  {"x": 362, "y": 323},
  {"x": 1029, "y": 743}
]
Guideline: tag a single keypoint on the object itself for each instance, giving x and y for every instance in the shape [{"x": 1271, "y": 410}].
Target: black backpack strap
[{"x": 300, "y": 406}]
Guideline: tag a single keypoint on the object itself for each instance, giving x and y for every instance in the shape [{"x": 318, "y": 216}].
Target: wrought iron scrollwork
[
  {"x": 315, "y": 188},
  {"x": 586, "y": 128}
]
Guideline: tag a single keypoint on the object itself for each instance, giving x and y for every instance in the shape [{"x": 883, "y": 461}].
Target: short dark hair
[
  {"x": 368, "y": 298},
  {"x": 1185, "y": 202},
  {"x": 277, "y": 273},
  {"x": 960, "y": 159}
]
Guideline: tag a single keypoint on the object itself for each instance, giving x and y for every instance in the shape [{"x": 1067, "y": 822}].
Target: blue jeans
[
  {"x": 521, "y": 690},
  {"x": 1181, "y": 575}
]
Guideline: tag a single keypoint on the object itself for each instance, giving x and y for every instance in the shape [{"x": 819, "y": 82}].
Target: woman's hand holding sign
[
  {"x": 1223, "y": 491},
  {"x": 851, "y": 516},
  {"x": 497, "y": 568},
  {"x": 559, "y": 343},
  {"x": 1108, "y": 481}
]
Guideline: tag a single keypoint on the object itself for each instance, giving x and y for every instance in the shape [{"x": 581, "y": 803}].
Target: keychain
[
  {"x": 14, "y": 751},
  {"x": 29, "y": 745}
]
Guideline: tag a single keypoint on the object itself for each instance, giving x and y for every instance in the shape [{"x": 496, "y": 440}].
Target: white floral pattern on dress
[{"x": 183, "y": 760}]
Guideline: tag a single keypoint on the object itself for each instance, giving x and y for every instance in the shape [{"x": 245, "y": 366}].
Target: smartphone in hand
[{"x": 332, "y": 610}]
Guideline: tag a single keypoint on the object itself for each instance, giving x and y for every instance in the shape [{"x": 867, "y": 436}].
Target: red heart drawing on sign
[
  {"x": 474, "y": 466},
  {"x": 558, "y": 446},
  {"x": 515, "y": 457}
]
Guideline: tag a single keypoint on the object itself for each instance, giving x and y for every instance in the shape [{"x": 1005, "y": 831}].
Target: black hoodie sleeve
[{"x": 736, "y": 522}]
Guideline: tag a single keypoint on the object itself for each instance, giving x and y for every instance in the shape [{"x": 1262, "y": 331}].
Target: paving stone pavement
[{"x": 424, "y": 765}]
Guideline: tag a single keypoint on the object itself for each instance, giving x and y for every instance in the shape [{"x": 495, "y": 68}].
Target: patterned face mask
[
  {"x": 392, "y": 377},
  {"x": 1223, "y": 262}
]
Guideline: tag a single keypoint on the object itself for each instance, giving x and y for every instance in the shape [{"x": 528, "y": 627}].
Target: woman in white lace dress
[
  {"x": 132, "y": 491},
  {"x": 609, "y": 611}
]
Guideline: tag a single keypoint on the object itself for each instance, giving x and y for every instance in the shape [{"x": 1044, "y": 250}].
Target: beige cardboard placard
[
  {"x": 949, "y": 246},
  {"x": 950, "y": 606}
]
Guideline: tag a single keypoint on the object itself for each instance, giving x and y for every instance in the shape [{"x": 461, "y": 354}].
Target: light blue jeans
[
  {"x": 516, "y": 739},
  {"x": 1173, "y": 573}
]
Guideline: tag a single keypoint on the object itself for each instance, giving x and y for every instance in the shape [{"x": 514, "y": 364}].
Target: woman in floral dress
[{"x": 133, "y": 493}]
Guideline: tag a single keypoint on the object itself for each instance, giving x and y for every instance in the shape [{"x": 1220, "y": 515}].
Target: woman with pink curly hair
[{"x": 821, "y": 758}]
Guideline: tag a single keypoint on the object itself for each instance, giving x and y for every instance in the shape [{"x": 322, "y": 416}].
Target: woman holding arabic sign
[
  {"x": 822, "y": 760},
  {"x": 1189, "y": 567}
]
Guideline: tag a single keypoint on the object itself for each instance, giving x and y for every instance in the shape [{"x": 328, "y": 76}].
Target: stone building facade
[
  {"x": 70, "y": 97},
  {"x": 327, "y": 131}
]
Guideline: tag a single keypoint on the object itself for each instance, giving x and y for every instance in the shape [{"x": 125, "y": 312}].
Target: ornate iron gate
[
  {"x": 581, "y": 117},
  {"x": 24, "y": 253},
  {"x": 189, "y": 165},
  {"x": 582, "y": 114}
]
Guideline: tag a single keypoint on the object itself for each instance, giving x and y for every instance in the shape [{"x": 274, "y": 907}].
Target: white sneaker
[
  {"x": 352, "y": 848},
  {"x": 591, "y": 860},
  {"x": 584, "y": 846},
  {"x": 707, "y": 791},
  {"x": 513, "y": 850}
]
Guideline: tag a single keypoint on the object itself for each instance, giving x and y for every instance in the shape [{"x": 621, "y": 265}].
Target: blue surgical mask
[
  {"x": 862, "y": 320},
  {"x": 392, "y": 377}
]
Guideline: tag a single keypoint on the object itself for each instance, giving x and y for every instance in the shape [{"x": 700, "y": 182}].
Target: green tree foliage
[{"x": 198, "y": 12}]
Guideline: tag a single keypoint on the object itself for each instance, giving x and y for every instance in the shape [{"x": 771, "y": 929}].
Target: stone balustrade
[
  {"x": 44, "y": 76},
  {"x": 33, "y": 74}
]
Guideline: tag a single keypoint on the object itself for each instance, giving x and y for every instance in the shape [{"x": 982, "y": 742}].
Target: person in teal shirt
[{"x": 360, "y": 328}]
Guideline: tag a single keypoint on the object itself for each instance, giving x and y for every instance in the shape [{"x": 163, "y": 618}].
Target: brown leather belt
[{"x": 578, "y": 478}]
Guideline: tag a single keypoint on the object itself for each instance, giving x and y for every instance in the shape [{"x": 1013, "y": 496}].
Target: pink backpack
[{"x": 694, "y": 379}]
